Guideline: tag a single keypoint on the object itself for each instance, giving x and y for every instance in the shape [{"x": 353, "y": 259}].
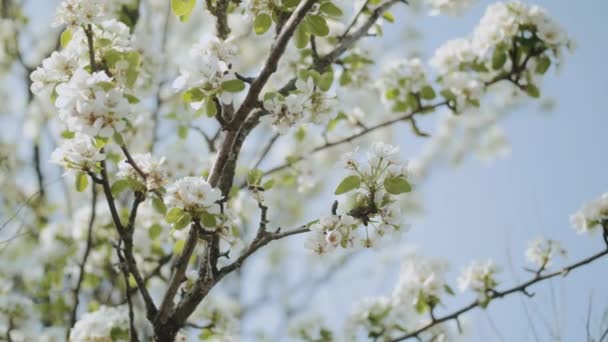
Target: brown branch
[
  {"x": 85, "y": 257},
  {"x": 355, "y": 136},
  {"x": 125, "y": 273},
  {"x": 521, "y": 288},
  {"x": 272, "y": 62},
  {"x": 178, "y": 276}
]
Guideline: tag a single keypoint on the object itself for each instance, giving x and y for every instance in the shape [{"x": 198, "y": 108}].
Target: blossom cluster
[
  {"x": 542, "y": 251},
  {"x": 479, "y": 277},
  {"x": 513, "y": 41},
  {"x": 404, "y": 83},
  {"x": 91, "y": 104},
  {"x": 591, "y": 215},
  {"x": 377, "y": 182},
  {"x": 155, "y": 170},
  {"x": 73, "y": 13},
  {"x": 449, "y": 7},
  {"x": 105, "y": 324},
  {"x": 419, "y": 290},
  {"x": 79, "y": 153},
  {"x": 193, "y": 194},
  {"x": 208, "y": 73},
  {"x": 306, "y": 104}
]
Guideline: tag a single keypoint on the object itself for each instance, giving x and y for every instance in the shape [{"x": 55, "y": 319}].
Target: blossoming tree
[{"x": 178, "y": 169}]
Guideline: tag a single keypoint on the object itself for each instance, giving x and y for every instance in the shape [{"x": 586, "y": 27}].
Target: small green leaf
[
  {"x": 208, "y": 220},
  {"x": 317, "y": 25},
  {"x": 233, "y": 86},
  {"x": 182, "y": 132},
  {"x": 210, "y": 108},
  {"x": 533, "y": 91},
  {"x": 118, "y": 138},
  {"x": 428, "y": 93},
  {"x": 66, "y": 36},
  {"x": 349, "y": 183},
  {"x": 81, "y": 181},
  {"x": 388, "y": 16},
  {"x": 182, "y": 7},
  {"x": 396, "y": 185},
  {"x": 301, "y": 37},
  {"x": 159, "y": 205},
  {"x": 118, "y": 334},
  {"x": 499, "y": 58},
  {"x": 119, "y": 186},
  {"x": 325, "y": 80},
  {"x": 182, "y": 222},
  {"x": 448, "y": 290},
  {"x": 543, "y": 65},
  {"x": 178, "y": 247},
  {"x": 173, "y": 215},
  {"x": 330, "y": 9},
  {"x": 254, "y": 177},
  {"x": 268, "y": 184},
  {"x": 391, "y": 94},
  {"x": 262, "y": 23},
  {"x": 67, "y": 135},
  {"x": 155, "y": 230}
]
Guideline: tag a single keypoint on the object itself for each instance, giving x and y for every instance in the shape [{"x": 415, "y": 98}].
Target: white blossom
[
  {"x": 155, "y": 170},
  {"x": 98, "y": 325},
  {"x": 89, "y": 104},
  {"x": 193, "y": 194},
  {"x": 420, "y": 280},
  {"x": 449, "y": 7},
  {"x": 479, "y": 277},
  {"x": 78, "y": 153},
  {"x": 542, "y": 251},
  {"x": 591, "y": 215},
  {"x": 74, "y": 13}
]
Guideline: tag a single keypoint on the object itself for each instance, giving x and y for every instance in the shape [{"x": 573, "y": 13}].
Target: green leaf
[
  {"x": 330, "y": 9},
  {"x": 119, "y": 186},
  {"x": 499, "y": 58},
  {"x": 388, "y": 16},
  {"x": 182, "y": 132},
  {"x": 268, "y": 184},
  {"x": 182, "y": 222},
  {"x": 66, "y": 36},
  {"x": 325, "y": 81},
  {"x": 349, "y": 183},
  {"x": 391, "y": 94},
  {"x": 448, "y": 95},
  {"x": 301, "y": 37},
  {"x": 208, "y": 220},
  {"x": 262, "y": 23},
  {"x": 210, "y": 108},
  {"x": 290, "y": 3},
  {"x": 233, "y": 86},
  {"x": 118, "y": 138},
  {"x": 317, "y": 25},
  {"x": 81, "y": 181},
  {"x": 173, "y": 215},
  {"x": 182, "y": 7},
  {"x": 428, "y": 93},
  {"x": 159, "y": 205},
  {"x": 449, "y": 290},
  {"x": 533, "y": 91},
  {"x": 119, "y": 334},
  {"x": 397, "y": 185},
  {"x": 155, "y": 230},
  {"x": 178, "y": 247},
  {"x": 68, "y": 135},
  {"x": 254, "y": 177},
  {"x": 543, "y": 65}
]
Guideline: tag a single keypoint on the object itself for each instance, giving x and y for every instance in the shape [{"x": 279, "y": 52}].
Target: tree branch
[
  {"x": 85, "y": 257},
  {"x": 521, "y": 288}
]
